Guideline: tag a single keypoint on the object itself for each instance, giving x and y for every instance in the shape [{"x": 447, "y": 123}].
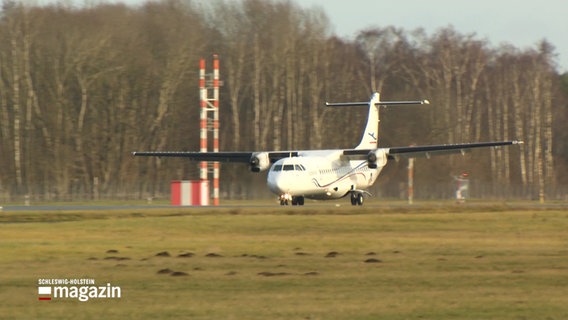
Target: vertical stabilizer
[{"x": 370, "y": 138}]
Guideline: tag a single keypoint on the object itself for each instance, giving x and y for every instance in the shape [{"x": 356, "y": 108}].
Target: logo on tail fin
[{"x": 372, "y": 135}]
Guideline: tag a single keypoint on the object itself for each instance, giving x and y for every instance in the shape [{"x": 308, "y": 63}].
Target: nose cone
[{"x": 279, "y": 183}]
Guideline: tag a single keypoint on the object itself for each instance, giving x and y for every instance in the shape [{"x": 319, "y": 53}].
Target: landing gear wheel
[
  {"x": 357, "y": 199},
  {"x": 285, "y": 199},
  {"x": 299, "y": 200},
  {"x": 360, "y": 199}
]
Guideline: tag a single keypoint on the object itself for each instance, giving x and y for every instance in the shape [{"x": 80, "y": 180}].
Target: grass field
[{"x": 450, "y": 262}]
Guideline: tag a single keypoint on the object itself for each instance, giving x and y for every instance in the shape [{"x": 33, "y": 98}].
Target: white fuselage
[{"x": 324, "y": 174}]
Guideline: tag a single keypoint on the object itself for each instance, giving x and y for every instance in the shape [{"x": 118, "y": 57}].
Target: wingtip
[
  {"x": 518, "y": 142},
  {"x": 425, "y": 102}
]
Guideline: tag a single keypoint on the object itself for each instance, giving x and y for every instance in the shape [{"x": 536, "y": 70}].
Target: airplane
[{"x": 329, "y": 174}]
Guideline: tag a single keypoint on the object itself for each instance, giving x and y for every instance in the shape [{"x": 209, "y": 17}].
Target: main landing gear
[
  {"x": 356, "y": 198},
  {"x": 286, "y": 199}
]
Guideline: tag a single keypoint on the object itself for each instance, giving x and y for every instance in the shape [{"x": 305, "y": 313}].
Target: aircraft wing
[
  {"x": 263, "y": 159},
  {"x": 238, "y": 157},
  {"x": 428, "y": 151}
]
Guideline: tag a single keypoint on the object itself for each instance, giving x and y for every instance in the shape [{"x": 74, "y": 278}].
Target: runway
[
  {"x": 80, "y": 207},
  {"x": 514, "y": 205}
]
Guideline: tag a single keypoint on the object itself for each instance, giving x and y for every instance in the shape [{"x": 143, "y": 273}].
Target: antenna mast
[{"x": 209, "y": 96}]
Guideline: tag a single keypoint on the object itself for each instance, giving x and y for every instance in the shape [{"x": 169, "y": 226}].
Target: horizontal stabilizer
[
  {"x": 396, "y": 103},
  {"x": 346, "y": 104},
  {"x": 380, "y": 103}
]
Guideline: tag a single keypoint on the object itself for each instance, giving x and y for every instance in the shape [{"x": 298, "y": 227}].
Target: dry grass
[{"x": 283, "y": 264}]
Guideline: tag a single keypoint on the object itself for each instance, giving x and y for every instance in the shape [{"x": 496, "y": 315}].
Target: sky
[{"x": 520, "y": 23}]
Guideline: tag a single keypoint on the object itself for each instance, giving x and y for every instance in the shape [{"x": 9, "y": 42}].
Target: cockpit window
[{"x": 288, "y": 167}]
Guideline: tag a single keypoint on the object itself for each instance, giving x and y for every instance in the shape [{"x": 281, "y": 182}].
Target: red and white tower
[{"x": 209, "y": 96}]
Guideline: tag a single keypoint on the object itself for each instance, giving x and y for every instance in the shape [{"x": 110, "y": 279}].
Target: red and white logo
[{"x": 44, "y": 293}]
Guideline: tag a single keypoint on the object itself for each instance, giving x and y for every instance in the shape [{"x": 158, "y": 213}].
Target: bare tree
[{"x": 80, "y": 87}]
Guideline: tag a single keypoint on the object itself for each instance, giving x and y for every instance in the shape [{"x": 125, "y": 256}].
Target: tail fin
[{"x": 370, "y": 137}]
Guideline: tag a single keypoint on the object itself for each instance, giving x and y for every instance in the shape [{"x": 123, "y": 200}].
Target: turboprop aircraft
[{"x": 329, "y": 174}]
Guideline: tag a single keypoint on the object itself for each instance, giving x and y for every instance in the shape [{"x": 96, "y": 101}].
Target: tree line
[{"x": 82, "y": 87}]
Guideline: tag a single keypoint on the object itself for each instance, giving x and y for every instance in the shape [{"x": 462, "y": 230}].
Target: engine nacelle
[
  {"x": 377, "y": 158},
  {"x": 259, "y": 161}
]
